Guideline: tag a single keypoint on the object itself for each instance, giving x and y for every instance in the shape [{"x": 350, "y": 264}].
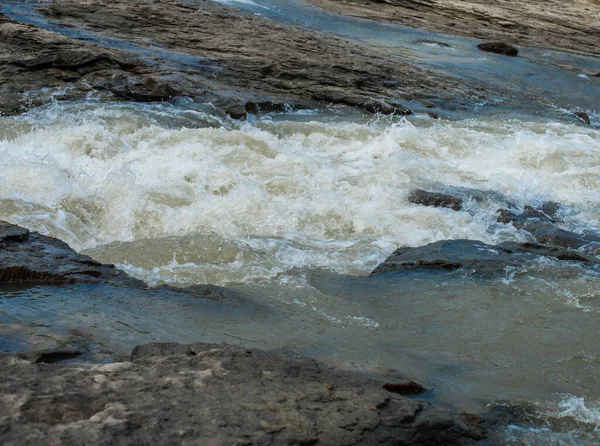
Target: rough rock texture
[
  {"x": 544, "y": 229},
  {"x": 572, "y": 25},
  {"x": 206, "y": 394},
  {"x": 153, "y": 51},
  {"x": 31, "y": 257},
  {"x": 473, "y": 255},
  {"x": 499, "y": 48},
  {"x": 437, "y": 199}
]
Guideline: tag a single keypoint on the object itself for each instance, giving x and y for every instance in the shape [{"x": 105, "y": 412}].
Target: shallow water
[
  {"x": 556, "y": 79},
  {"x": 293, "y": 212}
]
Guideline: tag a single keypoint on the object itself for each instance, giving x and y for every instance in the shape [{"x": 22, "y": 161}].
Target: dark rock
[
  {"x": 213, "y": 394},
  {"x": 583, "y": 116},
  {"x": 449, "y": 255},
  {"x": 257, "y": 108},
  {"x": 31, "y": 257},
  {"x": 499, "y": 48},
  {"x": 406, "y": 387},
  {"x": 12, "y": 233},
  {"x": 473, "y": 255},
  {"x": 236, "y": 112},
  {"x": 546, "y": 250},
  {"x": 544, "y": 229},
  {"x": 54, "y": 356},
  {"x": 551, "y": 209},
  {"x": 425, "y": 198}
]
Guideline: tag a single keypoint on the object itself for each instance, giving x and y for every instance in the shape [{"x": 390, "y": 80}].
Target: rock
[
  {"x": 236, "y": 112},
  {"x": 498, "y": 48},
  {"x": 583, "y": 116},
  {"x": 543, "y": 228},
  {"x": 406, "y": 387},
  {"x": 34, "y": 258},
  {"x": 12, "y": 233},
  {"x": 449, "y": 255},
  {"x": 472, "y": 255},
  {"x": 213, "y": 394},
  {"x": 425, "y": 198},
  {"x": 257, "y": 108}
]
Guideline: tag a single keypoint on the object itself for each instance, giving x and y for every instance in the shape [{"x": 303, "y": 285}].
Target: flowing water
[{"x": 293, "y": 211}]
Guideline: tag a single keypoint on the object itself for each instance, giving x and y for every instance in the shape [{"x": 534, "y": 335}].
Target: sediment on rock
[{"x": 213, "y": 394}]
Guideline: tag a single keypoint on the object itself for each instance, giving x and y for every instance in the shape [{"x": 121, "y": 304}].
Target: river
[{"x": 293, "y": 211}]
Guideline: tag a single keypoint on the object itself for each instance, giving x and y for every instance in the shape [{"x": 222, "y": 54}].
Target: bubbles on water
[{"x": 293, "y": 192}]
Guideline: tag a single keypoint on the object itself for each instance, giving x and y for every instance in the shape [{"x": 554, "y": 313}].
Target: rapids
[{"x": 293, "y": 211}]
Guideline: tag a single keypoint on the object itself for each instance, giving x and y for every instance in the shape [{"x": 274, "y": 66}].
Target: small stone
[
  {"x": 499, "y": 48},
  {"x": 436, "y": 199}
]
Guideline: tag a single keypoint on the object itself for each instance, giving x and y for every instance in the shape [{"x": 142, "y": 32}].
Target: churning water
[{"x": 296, "y": 210}]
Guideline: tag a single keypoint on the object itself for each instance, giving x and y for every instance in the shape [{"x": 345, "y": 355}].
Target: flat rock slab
[
  {"x": 205, "y": 394},
  {"x": 34, "y": 258},
  {"x": 473, "y": 255}
]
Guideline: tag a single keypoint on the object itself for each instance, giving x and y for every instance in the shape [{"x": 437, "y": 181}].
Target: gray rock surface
[
  {"x": 543, "y": 226},
  {"x": 206, "y": 394},
  {"x": 473, "y": 256}
]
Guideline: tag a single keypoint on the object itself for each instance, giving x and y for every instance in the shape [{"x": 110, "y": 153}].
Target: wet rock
[
  {"x": 406, "y": 387},
  {"x": 583, "y": 116},
  {"x": 336, "y": 96},
  {"x": 34, "y": 258},
  {"x": 544, "y": 228},
  {"x": 436, "y": 199},
  {"x": 54, "y": 356},
  {"x": 12, "y": 233},
  {"x": 473, "y": 256},
  {"x": 499, "y": 48},
  {"x": 257, "y": 108},
  {"x": 236, "y": 112},
  {"x": 546, "y": 250},
  {"x": 213, "y": 394},
  {"x": 449, "y": 255}
]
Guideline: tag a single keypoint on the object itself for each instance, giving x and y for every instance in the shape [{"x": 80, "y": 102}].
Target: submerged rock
[
  {"x": 499, "y": 48},
  {"x": 213, "y": 394}
]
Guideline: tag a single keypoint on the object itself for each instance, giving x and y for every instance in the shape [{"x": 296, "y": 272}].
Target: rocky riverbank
[
  {"x": 207, "y": 51},
  {"x": 571, "y": 25}
]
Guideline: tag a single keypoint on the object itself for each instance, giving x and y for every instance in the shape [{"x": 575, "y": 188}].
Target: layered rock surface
[{"x": 213, "y": 53}]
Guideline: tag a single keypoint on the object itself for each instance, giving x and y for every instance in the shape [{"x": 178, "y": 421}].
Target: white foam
[{"x": 288, "y": 194}]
